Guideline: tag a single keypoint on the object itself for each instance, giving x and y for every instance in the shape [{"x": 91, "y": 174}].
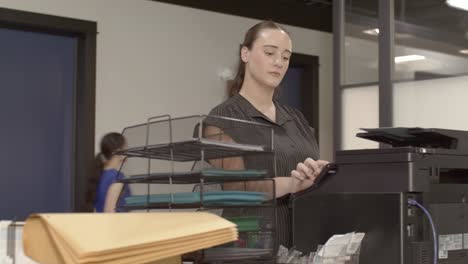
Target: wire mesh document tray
[{"x": 206, "y": 163}]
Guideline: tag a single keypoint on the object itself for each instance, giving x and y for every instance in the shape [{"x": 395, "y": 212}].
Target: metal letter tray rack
[{"x": 206, "y": 163}]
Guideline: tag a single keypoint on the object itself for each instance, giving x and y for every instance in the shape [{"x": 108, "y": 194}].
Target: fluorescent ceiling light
[
  {"x": 464, "y": 51},
  {"x": 376, "y": 31},
  {"x": 408, "y": 58},
  {"x": 373, "y": 32},
  {"x": 460, "y": 4}
]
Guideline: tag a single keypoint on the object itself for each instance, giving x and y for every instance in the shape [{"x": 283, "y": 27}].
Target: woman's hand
[{"x": 305, "y": 174}]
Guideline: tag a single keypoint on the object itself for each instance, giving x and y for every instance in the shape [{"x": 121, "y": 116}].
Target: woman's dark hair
[
  {"x": 110, "y": 143},
  {"x": 251, "y": 35}
]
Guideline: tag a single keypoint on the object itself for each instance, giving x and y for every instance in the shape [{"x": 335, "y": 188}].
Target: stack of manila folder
[{"x": 118, "y": 238}]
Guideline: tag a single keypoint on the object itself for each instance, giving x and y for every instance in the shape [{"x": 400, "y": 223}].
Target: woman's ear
[{"x": 245, "y": 54}]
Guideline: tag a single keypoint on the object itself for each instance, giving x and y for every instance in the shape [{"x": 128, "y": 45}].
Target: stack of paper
[
  {"x": 122, "y": 238},
  {"x": 11, "y": 243}
]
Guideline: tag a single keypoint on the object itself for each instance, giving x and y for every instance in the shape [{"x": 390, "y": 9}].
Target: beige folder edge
[{"x": 122, "y": 237}]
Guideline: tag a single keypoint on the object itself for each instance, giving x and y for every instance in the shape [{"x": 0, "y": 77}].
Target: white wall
[
  {"x": 439, "y": 103},
  {"x": 155, "y": 58},
  {"x": 360, "y": 110},
  {"x": 436, "y": 103},
  {"x": 433, "y": 103}
]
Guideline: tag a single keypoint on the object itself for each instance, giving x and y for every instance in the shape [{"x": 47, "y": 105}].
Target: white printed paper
[
  {"x": 451, "y": 242},
  {"x": 443, "y": 254},
  {"x": 465, "y": 241}
]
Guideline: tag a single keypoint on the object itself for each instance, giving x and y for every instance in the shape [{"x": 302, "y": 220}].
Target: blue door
[
  {"x": 37, "y": 81},
  {"x": 291, "y": 87}
]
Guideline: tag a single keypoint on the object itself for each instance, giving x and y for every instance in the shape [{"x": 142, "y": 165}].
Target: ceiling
[
  {"x": 312, "y": 14},
  {"x": 317, "y": 14}
]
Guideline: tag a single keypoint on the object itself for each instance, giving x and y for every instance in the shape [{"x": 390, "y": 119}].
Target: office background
[{"x": 154, "y": 58}]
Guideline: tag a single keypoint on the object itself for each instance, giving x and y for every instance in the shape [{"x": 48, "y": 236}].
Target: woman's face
[{"x": 268, "y": 59}]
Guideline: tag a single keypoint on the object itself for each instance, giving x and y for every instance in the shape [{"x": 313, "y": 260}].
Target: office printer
[{"x": 370, "y": 193}]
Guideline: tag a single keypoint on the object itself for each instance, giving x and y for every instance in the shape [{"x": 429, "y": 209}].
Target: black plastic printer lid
[{"x": 417, "y": 137}]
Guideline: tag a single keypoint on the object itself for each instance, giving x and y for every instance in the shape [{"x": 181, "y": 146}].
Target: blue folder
[{"x": 220, "y": 197}]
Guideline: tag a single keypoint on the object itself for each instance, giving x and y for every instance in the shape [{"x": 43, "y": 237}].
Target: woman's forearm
[{"x": 283, "y": 186}]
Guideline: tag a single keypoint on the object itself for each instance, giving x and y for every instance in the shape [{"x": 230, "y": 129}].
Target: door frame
[
  {"x": 84, "y": 110},
  {"x": 309, "y": 87}
]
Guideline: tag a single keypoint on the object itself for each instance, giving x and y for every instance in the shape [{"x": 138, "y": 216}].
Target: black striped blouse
[{"x": 294, "y": 141}]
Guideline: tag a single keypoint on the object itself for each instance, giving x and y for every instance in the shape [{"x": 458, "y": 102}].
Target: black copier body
[{"x": 370, "y": 192}]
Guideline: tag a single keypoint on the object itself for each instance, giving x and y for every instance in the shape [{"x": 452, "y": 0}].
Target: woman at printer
[{"x": 264, "y": 60}]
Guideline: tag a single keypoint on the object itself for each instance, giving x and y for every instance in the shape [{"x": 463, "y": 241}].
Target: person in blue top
[{"x": 104, "y": 194}]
